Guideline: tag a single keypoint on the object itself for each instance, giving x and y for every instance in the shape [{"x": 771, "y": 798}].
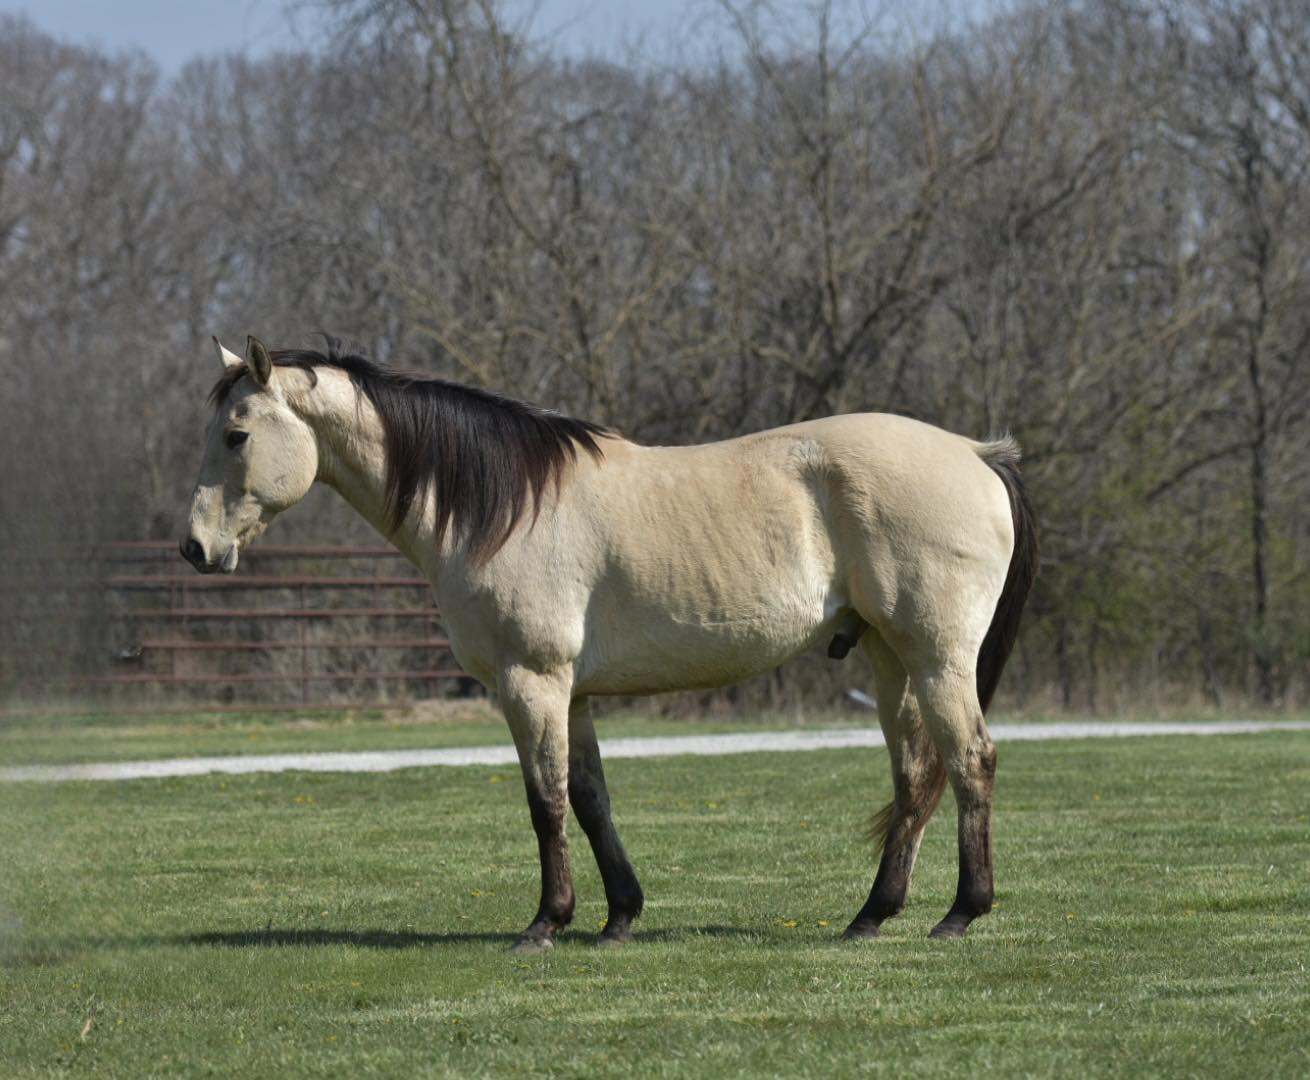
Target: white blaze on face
[{"x": 260, "y": 458}]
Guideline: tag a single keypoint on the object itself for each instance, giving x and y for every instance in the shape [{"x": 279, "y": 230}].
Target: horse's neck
[{"x": 352, "y": 459}]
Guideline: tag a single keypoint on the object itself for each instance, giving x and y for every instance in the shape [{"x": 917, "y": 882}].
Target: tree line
[{"x": 1087, "y": 224}]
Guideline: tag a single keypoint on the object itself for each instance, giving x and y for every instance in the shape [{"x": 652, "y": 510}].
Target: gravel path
[{"x": 655, "y": 746}]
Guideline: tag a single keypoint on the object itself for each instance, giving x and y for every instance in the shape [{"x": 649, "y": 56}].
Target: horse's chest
[{"x": 541, "y": 628}]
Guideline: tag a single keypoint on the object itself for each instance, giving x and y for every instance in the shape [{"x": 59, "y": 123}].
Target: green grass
[
  {"x": 74, "y": 738},
  {"x": 1152, "y": 911}
]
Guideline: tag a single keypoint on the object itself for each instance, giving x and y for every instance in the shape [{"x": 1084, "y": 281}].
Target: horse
[{"x": 569, "y": 563}]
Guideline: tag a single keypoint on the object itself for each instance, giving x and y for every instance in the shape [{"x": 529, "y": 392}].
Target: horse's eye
[{"x": 236, "y": 438}]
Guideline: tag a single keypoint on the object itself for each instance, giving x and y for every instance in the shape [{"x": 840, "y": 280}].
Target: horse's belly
[
  {"x": 711, "y": 591},
  {"x": 657, "y": 651}
]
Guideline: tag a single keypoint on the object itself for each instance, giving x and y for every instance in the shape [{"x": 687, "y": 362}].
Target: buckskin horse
[{"x": 569, "y": 562}]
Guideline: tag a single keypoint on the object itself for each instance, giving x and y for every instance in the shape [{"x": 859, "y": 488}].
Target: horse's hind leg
[
  {"x": 536, "y": 707},
  {"x": 591, "y": 805},
  {"x": 949, "y": 701},
  {"x": 917, "y": 781}
]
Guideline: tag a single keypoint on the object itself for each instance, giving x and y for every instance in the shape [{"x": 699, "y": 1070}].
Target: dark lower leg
[
  {"x": 891, "y": 885},
  {"x": 555, "y": 911},
  {"x": 590, "y": 799},
  {"x": 917, "y": 792},
  {"x": 622, "y": 890},
  {"x": 917, "y": 778},
  {"x": 974, "y": 892}
]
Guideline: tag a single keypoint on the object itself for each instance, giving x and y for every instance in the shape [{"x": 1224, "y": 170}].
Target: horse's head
[{"x": 260, "y": 458}]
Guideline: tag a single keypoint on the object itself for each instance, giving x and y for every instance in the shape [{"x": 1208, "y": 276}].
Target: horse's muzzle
[{"x": 194, "y": 552}]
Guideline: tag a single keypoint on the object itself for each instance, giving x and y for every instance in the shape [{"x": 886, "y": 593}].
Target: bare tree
[{"x": 1085, "y": 223}]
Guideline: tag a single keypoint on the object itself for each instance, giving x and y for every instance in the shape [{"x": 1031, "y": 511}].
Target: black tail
[{"x": 1003, "y": 459}]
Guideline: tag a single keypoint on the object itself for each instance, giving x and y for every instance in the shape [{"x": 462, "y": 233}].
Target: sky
[{"x": 174, "y": 31}]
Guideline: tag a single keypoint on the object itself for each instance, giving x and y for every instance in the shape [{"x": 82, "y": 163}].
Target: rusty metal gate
[{"x": 299, "y": 626}]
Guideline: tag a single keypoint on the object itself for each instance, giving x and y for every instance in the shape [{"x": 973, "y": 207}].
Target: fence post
[
  {"x": 186, "y": 633},
  {"x": 374, "y": 657},
  {"x": 304, "y": 651}
]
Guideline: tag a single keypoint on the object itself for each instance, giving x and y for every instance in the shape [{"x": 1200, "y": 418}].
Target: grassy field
[
  {"x": 1152, "y": 911},
  {"x": 75, "y": 738},
  {"x": 476, "y": 723}
]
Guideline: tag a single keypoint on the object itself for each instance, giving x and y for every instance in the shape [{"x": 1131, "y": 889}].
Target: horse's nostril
[{"x": 193, "y": 552}]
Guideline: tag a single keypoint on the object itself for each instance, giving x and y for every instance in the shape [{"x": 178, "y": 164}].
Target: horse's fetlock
[
  {"x": 888, "y": 908},
  {"x": 977, "y": 899},
  {"x": 632, "y": 904}
]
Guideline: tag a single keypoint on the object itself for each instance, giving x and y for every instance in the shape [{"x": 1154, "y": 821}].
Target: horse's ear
[
  {"x": 258, "y": 360},
  {"x": 229, "y": 358}
]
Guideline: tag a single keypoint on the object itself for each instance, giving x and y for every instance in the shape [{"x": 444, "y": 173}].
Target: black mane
[{"x": 484, "y": 455}]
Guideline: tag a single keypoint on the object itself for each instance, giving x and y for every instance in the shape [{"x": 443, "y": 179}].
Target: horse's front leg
[
  {"x": 591, "y": 804},
  {"x": 537, "y": 708}
]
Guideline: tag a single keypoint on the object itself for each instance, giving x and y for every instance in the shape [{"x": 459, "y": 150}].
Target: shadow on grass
[
  {"x": 36, "y": 954},
  {"x": 270, "y": 938},
  {"x": 687, "y": 933},
  {"x": 363, "y": 939},
  {"x": 30, "y": 957}
]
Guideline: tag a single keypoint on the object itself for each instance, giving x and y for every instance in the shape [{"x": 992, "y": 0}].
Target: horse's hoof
[
  {"x": 859, "y": 931},
  {"x": 532, "y": 946},
  {"x": 949, "y": 929},
  {"x": 613, "y": 939}
]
